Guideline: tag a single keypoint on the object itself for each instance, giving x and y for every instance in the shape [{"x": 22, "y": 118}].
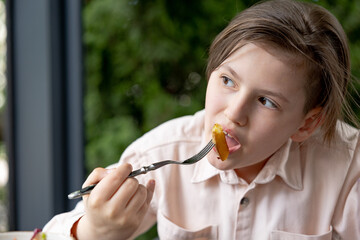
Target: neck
[{"x": 249, "y": 173}]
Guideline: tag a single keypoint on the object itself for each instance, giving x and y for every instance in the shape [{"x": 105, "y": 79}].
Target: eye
[
  {"x": 267, "y": 103},
  {"x": 227, "y": 81}
]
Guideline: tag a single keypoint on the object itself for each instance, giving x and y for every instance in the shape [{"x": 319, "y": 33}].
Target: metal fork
[{"x": 146, "y": 169}]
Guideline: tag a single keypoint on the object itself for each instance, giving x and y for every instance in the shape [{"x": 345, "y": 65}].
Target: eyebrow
[
  {"x": 232, "y": 71},
  {"x": 275, "y": 94},
  {"x": 267, "y": 92}
]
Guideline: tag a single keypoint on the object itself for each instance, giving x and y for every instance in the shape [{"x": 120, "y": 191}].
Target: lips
[{"x": 232, "y": 143}]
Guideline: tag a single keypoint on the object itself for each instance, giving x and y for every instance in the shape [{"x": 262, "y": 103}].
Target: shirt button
[{"x": 244, "y": 201}]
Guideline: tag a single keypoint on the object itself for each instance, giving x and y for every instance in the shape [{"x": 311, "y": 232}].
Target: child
[{"x": 277, "y": 82}]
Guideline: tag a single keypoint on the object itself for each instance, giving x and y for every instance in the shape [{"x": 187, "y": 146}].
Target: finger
[
  {"x": 109, "y": 185},
  {"x": 143, "y": 196},
  {"x": 95, "y": 176},
  {"x": 137, "y": 200},
  {"x": 125, "y": 193},
  {"x": 150, "y": 187}
]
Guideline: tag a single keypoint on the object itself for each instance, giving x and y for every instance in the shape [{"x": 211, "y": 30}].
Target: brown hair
[{"x": 305, "y": 31}]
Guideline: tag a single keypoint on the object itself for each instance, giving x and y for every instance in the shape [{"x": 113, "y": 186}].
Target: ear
[{"x": 312, "y": 120}]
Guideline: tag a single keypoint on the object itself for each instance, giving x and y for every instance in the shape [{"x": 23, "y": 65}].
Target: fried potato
[{"x": 218, "y": 137}]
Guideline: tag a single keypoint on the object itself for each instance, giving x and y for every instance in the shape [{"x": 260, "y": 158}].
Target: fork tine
[
  {"x": 201, "y": 154},
  {"x": 205, "y": 150}
]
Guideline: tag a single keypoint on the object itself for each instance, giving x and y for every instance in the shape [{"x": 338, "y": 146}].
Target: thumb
[{"x": 150, "y": 186}]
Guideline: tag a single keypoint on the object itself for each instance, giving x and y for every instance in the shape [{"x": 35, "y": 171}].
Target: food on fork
[{"x": 218, "y": 137}]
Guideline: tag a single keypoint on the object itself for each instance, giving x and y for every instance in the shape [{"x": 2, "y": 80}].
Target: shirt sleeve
[
  {"x": 348, "y": 224},
  {"x": 346, "y": 220},
  {"x": 62, "y": 223}
]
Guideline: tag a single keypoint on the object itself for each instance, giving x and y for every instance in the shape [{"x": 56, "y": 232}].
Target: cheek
[
  {"x": 214, "y": 105},
  {"x": 214, "y": 100},
  {"x": 276, "y": 130},
  {"x": 261, "y": 143}
]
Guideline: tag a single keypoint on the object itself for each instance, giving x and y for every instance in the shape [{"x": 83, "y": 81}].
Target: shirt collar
[
  {"x": 284, "y": 163},
  {"x": 204, "y": 170}
]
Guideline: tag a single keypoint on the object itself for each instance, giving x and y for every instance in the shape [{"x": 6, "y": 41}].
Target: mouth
[{"x": 232, "y": 143}]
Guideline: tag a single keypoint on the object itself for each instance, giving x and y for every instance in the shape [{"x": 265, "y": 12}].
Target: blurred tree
[{"x": 145, "y": 64}]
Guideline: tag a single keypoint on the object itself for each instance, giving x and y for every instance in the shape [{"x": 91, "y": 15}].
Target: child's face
[{"x": 259, "y": 100}]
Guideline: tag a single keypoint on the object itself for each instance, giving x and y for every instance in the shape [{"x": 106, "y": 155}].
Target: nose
[{"x": 237, "y": 110}]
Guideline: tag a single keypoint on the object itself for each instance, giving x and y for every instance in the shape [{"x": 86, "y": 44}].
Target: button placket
[{"x": 243, "y": 229}]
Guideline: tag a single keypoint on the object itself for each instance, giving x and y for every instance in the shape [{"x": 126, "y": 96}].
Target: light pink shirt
[{"x": 307, "y": 191}]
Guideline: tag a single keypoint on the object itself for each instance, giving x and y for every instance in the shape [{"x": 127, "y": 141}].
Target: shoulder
[
  {"x": 347, "y": 135},
  {"x": 346, "y": 139},
  {"x": 182, "y": 131},
  {"x": 186, "y": 128},
  {"x": 347, "y": 207},
  {"x": 341, "y": 157}
]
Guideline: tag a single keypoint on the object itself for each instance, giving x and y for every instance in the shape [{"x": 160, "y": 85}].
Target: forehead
[
  {"x": 270, "y": 55},
  {"x": 264, "y": 69},
  {"x": 292, "y": 57}
]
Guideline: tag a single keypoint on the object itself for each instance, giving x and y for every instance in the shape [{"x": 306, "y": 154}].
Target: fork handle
[
  {"x": 88, "y": 189},
  {"x": 142, "y": 170}
]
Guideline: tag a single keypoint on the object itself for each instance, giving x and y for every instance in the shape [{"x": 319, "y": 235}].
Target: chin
[{"x": 218, "y": 163}]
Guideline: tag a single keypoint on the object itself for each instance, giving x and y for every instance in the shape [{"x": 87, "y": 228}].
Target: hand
[{"x": 116, "y": 206}]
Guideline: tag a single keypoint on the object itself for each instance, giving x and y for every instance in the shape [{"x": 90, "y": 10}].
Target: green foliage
[
  {"x": 145, "y": 64},
  {"x": 150, "y": 234}
]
